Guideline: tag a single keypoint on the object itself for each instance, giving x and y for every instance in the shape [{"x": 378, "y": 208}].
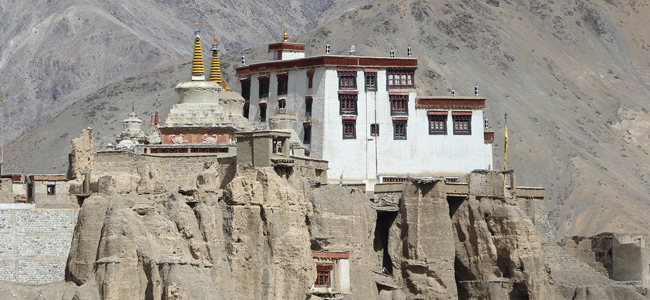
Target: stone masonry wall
[{"x": 34, "y": 243}]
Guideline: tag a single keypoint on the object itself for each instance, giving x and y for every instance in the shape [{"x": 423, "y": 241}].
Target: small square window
[
  {"x": 51, "y": 189},
  {"x": 374, "y": 129}
]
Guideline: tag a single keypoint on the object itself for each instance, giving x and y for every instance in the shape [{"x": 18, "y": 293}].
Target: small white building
[{"x": 363, "y": 115}]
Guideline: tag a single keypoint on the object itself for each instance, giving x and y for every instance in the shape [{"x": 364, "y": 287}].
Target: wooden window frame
[
  {"x": 347, "y": 79},
  {"x": 462, "y": 123},
  {"x": 262, "y": 112},
  {"x": 399, "y": 105},
  {"x": 324, "y": 275},
  {"x": 282, "y": 103},
  {"x": 438, "y": 122},
  {"x": 348, "y": 103},
  {"x": 349, "y": 128},
  {"x": 371, "y": 80},
  {"x": 399, "y": 129},
  {"x": 400, "y": 78},
  {"x": 374, "y": 129},
  {"x": 51, "y": 189}
]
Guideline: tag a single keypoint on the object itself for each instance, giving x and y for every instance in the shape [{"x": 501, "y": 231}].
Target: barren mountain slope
[
  {"x": 572, "y": 77},
  {"x": 54, "y": 52}
]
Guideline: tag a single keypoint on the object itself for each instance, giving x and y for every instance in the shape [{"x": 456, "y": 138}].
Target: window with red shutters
[
  {"x": 462, "y": 122},
  {"x": 323, "y": 272},
  {"x": 283, "y": 83},
  {"x": 349, "y": 128}
]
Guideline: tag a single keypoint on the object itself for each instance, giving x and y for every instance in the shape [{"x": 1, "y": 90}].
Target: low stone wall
[{"x": 34, "y": 243}]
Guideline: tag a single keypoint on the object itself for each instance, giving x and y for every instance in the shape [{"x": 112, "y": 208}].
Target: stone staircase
[{"x": 566, "y": 269}]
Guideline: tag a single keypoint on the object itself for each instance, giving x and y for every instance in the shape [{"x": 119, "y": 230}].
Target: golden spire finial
[
  {"x": 197, "y": 61},
  {"x": 215, "y": 69},
  {"x": 285, "y": 38}
]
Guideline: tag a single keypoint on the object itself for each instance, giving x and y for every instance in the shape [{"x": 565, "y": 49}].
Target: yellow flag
[{"x": 505, "y": 156}]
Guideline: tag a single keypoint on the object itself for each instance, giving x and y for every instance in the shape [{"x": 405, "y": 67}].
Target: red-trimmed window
[
  {"x": 310, "y": 79},
  {"x": 371, "y": 79},
  {"x": 308, "y": 102},
  {"x": 282, "y": 103},
  {"x": 283, "y": 83},
  {"x": 323, "y": 272},
  {"x": 263, "y": 112},
  {"x": 347, "y": 79},
  {"x": 246, "y": 89},
  {"x": 264, "y": 86},
  {"x": 349, "y": 128},
  {"x": 462, "y": 122},
  {"x": 247, "y": 107},
  {"x": 399, "y": 104},
  {"x": 374, "y": 129},
  {"x": 438, "y": 122},
  {"x": 400, "y": 78},
  {"x": 348, "y": 103},
  {"x": 399, "y": 128},
  {"x": 307, "y": 136}
]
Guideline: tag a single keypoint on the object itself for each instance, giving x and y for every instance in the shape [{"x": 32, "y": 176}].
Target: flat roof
[{"x": 327, "y": 60}]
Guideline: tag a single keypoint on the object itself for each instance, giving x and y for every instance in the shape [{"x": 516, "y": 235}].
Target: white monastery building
[{"x": 363, "y": 115}]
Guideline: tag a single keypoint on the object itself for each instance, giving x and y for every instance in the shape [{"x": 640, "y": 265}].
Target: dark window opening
[
  {"x": 264, "y": 86},
  {"x": 51, "y": 189},
  {"x": 308, "y": 101},
  {"x": 282, "y": 103},
  {"x": 310, "y": 79},
  {"x": 263, "y": 112},
  {"x": 246, "y": 89},
  {"x": 374, "y": 129},
  {"x": 380, "y": 243},
  {"x": 399, "y": 126},
  {"x": 283, "y": 84},
  {"x": 323, "y": 275},
  {"x": 246, "y": 109},
  {"x": 347, "y": 79},
  {"x": 400, "y": 78},
  {"x": 438, "y": 122},
  {"x": 348, "y": 103},
  {"x": 462, "y": 124},
  {"x": 399, "y": 104},
  {"x": 349, "y": 130},
  {"x": 307, "y": 136}
]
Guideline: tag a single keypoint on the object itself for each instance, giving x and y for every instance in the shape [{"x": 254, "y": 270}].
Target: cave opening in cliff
[
  {"x": 385, "y": 220},
  {"x": 519, "y": 291},
  {"x": 454, "y": 203}
]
